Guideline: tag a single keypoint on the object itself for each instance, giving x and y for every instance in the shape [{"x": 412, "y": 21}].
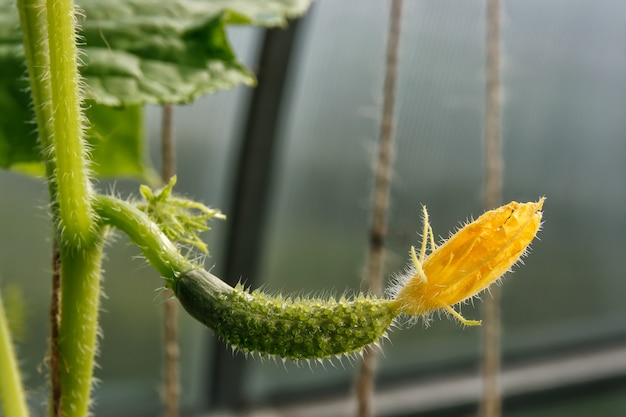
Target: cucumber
[{"x": 292, "y": 328}]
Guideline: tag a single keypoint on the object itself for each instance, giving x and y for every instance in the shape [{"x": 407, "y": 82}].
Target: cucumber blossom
[{"x": 292, "y": 328}]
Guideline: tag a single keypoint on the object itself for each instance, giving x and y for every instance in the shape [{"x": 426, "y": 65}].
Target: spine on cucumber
[{"x": 290, "y": 328}]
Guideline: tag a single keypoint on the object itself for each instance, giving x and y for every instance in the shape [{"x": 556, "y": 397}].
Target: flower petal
[{"x": 472, "y": 259}]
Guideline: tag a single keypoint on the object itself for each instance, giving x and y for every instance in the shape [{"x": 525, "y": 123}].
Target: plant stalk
[
  {"x": 12, "y": 397},
  {"x": 34, "y": 24},
  {"x": 76, "y": 218},
  {"x": 78, "y": 330},
  {"x": 51, "y": 54},
  {"x": 157, "y": 248}
]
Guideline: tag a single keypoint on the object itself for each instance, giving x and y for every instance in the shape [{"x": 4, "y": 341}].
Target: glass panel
[{"x": 564, "y": 78}]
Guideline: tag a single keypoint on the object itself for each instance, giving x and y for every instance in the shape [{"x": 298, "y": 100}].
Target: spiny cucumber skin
[{"x": 296, "y": 329}]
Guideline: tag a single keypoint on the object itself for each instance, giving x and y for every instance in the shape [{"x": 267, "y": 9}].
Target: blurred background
[{"x": 564, "y": 135}]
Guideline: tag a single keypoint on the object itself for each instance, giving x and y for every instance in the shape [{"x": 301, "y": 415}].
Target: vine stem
[
  {"x": 160, "y": 252},
  {"x": 33, "y": 21},
  {"x": 51, "y": 54},
  {"x": 12, "y": 397},
  {"x": 78, "y": 328},
  {"x": 382, "y": 185},
  {"x": 80, "y": 243},
  {"x": 72, "y": 180}
]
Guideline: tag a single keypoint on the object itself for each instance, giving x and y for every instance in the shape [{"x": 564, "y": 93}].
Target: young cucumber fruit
[{"x": 290, "y": 328}]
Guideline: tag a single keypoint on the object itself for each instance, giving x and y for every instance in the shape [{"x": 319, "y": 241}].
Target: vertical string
[
  {"x": 491, "y": 403},
  {"x": 168, "y": 156},
  {"x": 170, "y": 312},
  {"x": 381, "y": 198}
]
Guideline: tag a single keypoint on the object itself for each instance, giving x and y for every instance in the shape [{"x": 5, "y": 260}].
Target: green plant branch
[
  {"x": 80, "y": 243},
  {"x": 12, "y": 397},
  {"x": 156, "y": 246},
  {"x": 34, "y": 26},
  {"x": 51, "y": 53},
  {"x": 78, "y": 330},
  {"x": 33, "y": 21},
  {"x": 73, "y": 187}
]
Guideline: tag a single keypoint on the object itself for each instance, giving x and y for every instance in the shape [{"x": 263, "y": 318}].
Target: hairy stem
[
  {"x": 73, "y": 187},
  {"x": 12, "y": 398},
  {"x": 34, "y": 24},
  {"x": 78, "y": 330},
  {"x": 158, "y": 249},
  {"x": 51, "y": 55},
  {"x": 80, "y": 243}
]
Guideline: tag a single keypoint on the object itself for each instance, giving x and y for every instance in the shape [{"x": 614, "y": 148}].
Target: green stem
[
  {"x": 158, "y": 249},
  {"x": 78, "y": 330},
  {"x": 73, "y": 186},
  {"x": 35, "y": 39},
  {"x": 12, "y": 398},
  {"x": 33, "y": 21},
  {"x": 34, "y": 24},
  {"x": 51, "y": 53}
]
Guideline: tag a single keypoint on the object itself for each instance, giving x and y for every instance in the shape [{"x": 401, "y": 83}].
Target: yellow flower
[{"x": 471, "y": 260}]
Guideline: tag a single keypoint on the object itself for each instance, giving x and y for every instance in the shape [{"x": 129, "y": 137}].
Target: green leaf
[
  {"x": 143, "y": 60},
  {"x": 134, "y": 52},
  {"x": 157, "y": 51},
  {"x": 115, "y": 137},
  {"x": 18, "y": 138}
]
